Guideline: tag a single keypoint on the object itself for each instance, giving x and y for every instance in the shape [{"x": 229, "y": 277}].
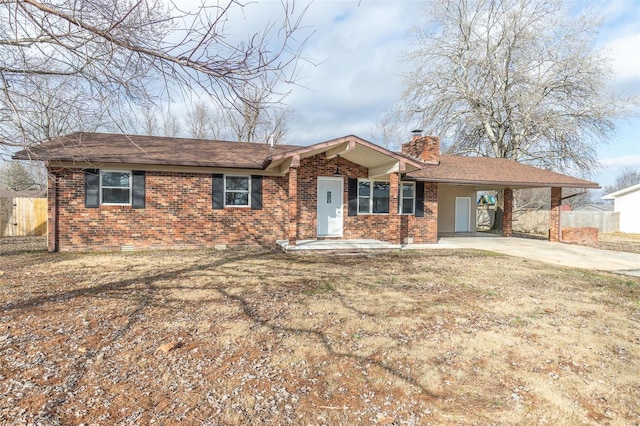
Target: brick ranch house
[{"x": 113, "y": 191}]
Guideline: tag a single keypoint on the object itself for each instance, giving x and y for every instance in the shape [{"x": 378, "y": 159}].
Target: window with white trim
[
  {"x": 407, "y": 197},
  {"x": 115, "y": 187},
  {"x": 373, "y": 196},
  {"x": 237, "y": 190}
]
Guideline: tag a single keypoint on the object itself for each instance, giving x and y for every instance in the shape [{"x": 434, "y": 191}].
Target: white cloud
[
  {"x": 625, "y": 52},
  {"x": 621, "y": 162},
  {"x": 357, "y": 49}
]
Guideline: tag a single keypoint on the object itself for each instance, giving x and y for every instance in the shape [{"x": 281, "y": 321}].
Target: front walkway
[{"x": 544, "y": 251}]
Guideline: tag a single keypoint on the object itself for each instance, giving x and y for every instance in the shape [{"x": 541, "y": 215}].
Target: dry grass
[
  {"x": 619, "y": 241},
  {"x": 238, "y": 337}
]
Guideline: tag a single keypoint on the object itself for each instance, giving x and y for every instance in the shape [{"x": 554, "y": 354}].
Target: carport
[{"x": 460, "y": 178}]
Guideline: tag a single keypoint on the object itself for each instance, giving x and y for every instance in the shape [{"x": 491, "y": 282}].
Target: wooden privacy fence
[
  {"x": 20, "y": 217},
  {"x": 538, "y": 221}
]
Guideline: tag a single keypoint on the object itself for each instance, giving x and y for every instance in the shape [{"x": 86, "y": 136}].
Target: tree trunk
[{"x": 497, "y": 221}]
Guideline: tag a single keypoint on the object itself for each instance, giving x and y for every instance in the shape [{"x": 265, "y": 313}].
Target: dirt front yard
[{"x": 260, "y": 337}]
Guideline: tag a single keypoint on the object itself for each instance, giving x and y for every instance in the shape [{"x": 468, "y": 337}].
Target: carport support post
[
  {"x": 554, "y": 216},
  {"x": 293, "y": 206},
  {"x": 507, "y": 213},
  {"x": 394, "y": 215}
]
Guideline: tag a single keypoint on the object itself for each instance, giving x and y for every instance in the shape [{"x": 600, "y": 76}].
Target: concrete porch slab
[{"x": 338, "y": 245}]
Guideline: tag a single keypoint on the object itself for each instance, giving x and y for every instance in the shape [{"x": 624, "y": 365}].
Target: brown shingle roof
[
  {"x": 495, "y": 172},
  {"x": 117, "y": 148},
  {"x": 99, "y": 148}
]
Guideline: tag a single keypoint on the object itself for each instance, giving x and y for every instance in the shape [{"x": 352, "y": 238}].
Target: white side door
[
  {"x": 330, "y": 198},
  {"x": 463, "y": 214}
]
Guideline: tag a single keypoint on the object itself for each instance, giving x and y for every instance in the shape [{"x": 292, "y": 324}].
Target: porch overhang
[{"x": 377, "y": 160}]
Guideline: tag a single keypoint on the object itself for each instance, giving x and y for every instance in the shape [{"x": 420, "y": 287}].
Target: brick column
[
  {"x": 554, "y": 216},
  {"x": 431, "y": 211},
  {"x": 395, "y": 230},
  {"x": 293, "y": 206},
  {"x": 507, "y": 213}
]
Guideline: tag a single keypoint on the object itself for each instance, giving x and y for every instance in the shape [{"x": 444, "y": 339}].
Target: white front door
[
  {"x": 463, "y": 214},
  {"x": 330, "y": 206}
]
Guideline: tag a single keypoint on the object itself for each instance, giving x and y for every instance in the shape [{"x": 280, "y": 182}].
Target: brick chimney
[{"x": 425, "y": 148}]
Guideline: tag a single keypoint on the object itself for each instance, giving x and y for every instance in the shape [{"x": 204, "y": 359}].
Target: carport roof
[{"x": 495, "y": 173}]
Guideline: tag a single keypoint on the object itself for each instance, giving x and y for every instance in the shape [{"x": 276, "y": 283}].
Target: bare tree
[
  {"x": 513, "y": 79},
  {"x": 150, "y": 122},
  {"x": 260, "y": 118},
  {"x": 626, "y": 178},
  {"x": 45, "y": 108},
  {"x": 124, "y": 51},
  {"x": 202, "y": 121},
  {"x": 531, "y": 199},
  {"x": 389, "y": 131},
  {"x": 170, "y": 124},
  {"x": 14, "y": 175}
]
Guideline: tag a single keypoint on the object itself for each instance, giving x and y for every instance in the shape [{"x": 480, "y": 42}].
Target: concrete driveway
[{"x": 553, "y": 253}]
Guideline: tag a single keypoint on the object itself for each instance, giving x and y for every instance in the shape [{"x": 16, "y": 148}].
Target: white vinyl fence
[
  {"x": 606, "y": 222},
  {"x": 537, "y": 222}
]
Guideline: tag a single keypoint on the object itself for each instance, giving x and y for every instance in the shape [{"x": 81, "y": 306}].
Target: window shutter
[
  {"x": 352, "y": 196},
  {"x": 256, "y": 192},
  {"x": 138, "y": 189},
  {"x": 217, "y": 190},
  {"x": 92, "y": 188},
  {"x": 419, "y": 199}
]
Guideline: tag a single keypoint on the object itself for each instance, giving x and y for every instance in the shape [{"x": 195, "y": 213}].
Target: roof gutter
[
  {"x": 266, "y": 162},
  {"x": 515, "y": 185}
]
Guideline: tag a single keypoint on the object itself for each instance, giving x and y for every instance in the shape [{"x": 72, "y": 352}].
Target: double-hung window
[
  {"x": 115, "y": 187},
  {"x": 373, "y": 196},
  {"x": 407, "y": 197},
  {"x": 237, "y": 190}
]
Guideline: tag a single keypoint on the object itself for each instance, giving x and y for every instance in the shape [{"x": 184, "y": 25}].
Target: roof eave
[
  {"x": 507, "y": 184},
  {"x": 115, "y": 160}
]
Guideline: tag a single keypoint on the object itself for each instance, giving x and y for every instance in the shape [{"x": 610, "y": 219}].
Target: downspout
[
  {"x": 53, "y": 222},
  {"x": 584, "y": 191}
]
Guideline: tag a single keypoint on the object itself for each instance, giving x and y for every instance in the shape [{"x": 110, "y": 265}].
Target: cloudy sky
[{"x": 357, "y": 49}]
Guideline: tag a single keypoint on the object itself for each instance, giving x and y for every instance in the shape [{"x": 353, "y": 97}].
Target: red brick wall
[
  {"x": 178, "y": 214},
  {"x": 579, "y": 235},
  {"x": 384, "y": 227},
  {"x": 424, "y": 230},
  {"x": 308, "y": 172},
  {"x": 425, "y": 148}
]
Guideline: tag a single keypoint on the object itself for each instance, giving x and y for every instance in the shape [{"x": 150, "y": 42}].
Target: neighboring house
[
  {"x": 596, "y": 208},
  {"x": 110, "y": 191},
  {"x": 627, "y": 202}
]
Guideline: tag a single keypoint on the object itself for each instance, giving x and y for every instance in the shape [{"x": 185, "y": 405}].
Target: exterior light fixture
[{"x": 337, "y": 172}]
